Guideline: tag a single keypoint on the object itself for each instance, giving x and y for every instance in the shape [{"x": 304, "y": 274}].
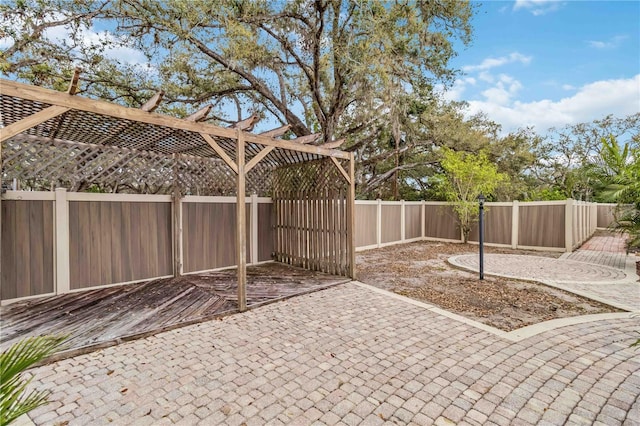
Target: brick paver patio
[{"x": 351, "y": 355}]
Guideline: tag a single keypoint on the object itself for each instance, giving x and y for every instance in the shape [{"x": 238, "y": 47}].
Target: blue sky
[{"x": 551, "y": 63}]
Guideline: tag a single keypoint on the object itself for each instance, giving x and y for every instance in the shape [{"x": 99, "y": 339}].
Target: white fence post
[
  {"x": 178, "y": 260},
  {"x": 62, "y": 242},
  {"x": 515, "y": 223},
  {"x": 402, "y": 220},
  {"x": 422, "y": 218},
  {"x": 379, "y": 222},
  {"x": 254, "y": 228},
  {"x": 568, "y": 225}
]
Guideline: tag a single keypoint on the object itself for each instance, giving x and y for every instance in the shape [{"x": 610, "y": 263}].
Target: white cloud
[
  {"x": 490, "y": 63},
  {"x": 538, "y": 7},
  {"x": 502, "y": 93},
  {"x": 620, "y": 97},
  {"x": 568, "y": 87},
  {"x": 612, "y": 43},
  {"x": 455, "y": 92},
  {"x": 118, "y": 48}
]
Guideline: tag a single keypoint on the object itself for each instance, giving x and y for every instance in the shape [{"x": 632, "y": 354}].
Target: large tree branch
[{"x": 297, "y": 126}]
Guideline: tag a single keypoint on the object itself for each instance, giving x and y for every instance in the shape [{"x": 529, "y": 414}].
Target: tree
[
  {"x": 570, "y": 151},
  {"x": 617, "y": 174},
  {"x": 465, "y": 177},
  {"x": 306, "y": 63}
]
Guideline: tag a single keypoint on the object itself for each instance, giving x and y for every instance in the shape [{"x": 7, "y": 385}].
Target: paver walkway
[
  {"x": 604, "y": 248},
  {"x": 352, "y": 355},
  {"x": 600, "y": 270}
]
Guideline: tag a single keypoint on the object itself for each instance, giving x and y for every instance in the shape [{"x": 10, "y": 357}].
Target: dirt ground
[{"x": 420, "y": 271}]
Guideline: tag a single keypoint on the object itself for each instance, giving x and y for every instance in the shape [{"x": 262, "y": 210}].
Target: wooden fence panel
[
  {"x": 391, "y": 230},
  {"x": 440, "y": 222},
  {"x": 606, "y": 215},
  {"x": 117, "y": 242},
  {"x": 27, "y": 248},
  {"x": 366, "y": 222},
  {"x": 209, "y": 235},
  {"x": 541, "y": 226},
  {"x": 497, "y": 226},
  {"x": 412, "y": 218},
  {"x": 265, "y": 232}
]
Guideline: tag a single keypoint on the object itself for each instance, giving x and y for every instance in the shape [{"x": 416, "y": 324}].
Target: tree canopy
[{"x": 318, "y": 65}]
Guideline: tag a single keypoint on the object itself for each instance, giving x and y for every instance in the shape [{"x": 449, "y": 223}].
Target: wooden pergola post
[
  {"x": 351, "y": 213},
  {"x": 241, "y": 224}
]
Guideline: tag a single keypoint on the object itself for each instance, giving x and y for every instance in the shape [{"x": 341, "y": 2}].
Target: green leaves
[
  {"x": 13, "y": 400},
  {"x": 467, "y": 176}
]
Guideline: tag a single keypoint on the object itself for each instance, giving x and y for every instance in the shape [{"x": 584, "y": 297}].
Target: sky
[{"x": 546, "y": 63}]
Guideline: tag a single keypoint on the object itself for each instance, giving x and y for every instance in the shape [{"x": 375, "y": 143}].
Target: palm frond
[{"x": 14, "y": 401}]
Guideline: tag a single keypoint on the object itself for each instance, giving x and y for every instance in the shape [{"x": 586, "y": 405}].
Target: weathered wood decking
[{"x": 103, "y": 317}]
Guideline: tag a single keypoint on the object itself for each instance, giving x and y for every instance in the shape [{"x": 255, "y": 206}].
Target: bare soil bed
[{"x": 420, "y": 271}]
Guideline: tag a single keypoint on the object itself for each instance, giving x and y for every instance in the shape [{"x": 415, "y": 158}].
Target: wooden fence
[
  {"x": 543, "y": 225},
  {"x": 59, "y": 242}
]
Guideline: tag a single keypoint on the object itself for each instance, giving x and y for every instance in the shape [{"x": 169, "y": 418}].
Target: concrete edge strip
[
  {"x": 534, "y": 329},
  {"x": 513, "y": 336}
]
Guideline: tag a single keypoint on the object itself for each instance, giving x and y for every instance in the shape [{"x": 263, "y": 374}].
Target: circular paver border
[{"x": 541, "y": 269}]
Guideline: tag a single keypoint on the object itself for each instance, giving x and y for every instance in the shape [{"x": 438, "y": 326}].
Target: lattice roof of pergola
[{"x": 39, "y": 125}]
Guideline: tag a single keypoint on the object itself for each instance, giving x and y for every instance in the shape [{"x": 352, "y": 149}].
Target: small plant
[{"x": 14, "y": 401}]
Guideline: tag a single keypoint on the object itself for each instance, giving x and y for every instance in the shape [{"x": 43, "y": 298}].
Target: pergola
[{"x": 50, "y": 138}]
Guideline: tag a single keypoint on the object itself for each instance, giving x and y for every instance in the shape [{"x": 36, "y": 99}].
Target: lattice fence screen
[{"x": 43, "y": 166}]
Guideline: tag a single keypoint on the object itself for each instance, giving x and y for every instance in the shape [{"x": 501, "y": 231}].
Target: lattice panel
[
  {"x": 79, "y": 167},
  {"x": 311, "y": 177}
]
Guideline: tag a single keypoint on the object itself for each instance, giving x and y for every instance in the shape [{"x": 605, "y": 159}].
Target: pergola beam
[
  {"x": 332, "y": 144},
  {"x": 218, "y": 149},
  {"x": 201, "y": 114},
  {"x": 73, "y": 85},
  {"x": 277, "y": 132},
  {"x": 255, "y": 160},
  {"x": 342, "y": 170},
  {"x": 31, "y": 121},
  {"x": 153, "y": 103},
  {"x": 246, "y": 124},
  {"x": 307, "y": 138},
  {"x": 39, "y": 94}
]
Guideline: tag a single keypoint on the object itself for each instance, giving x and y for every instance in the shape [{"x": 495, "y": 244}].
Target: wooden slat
[{"x": 95, "y": 317}]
